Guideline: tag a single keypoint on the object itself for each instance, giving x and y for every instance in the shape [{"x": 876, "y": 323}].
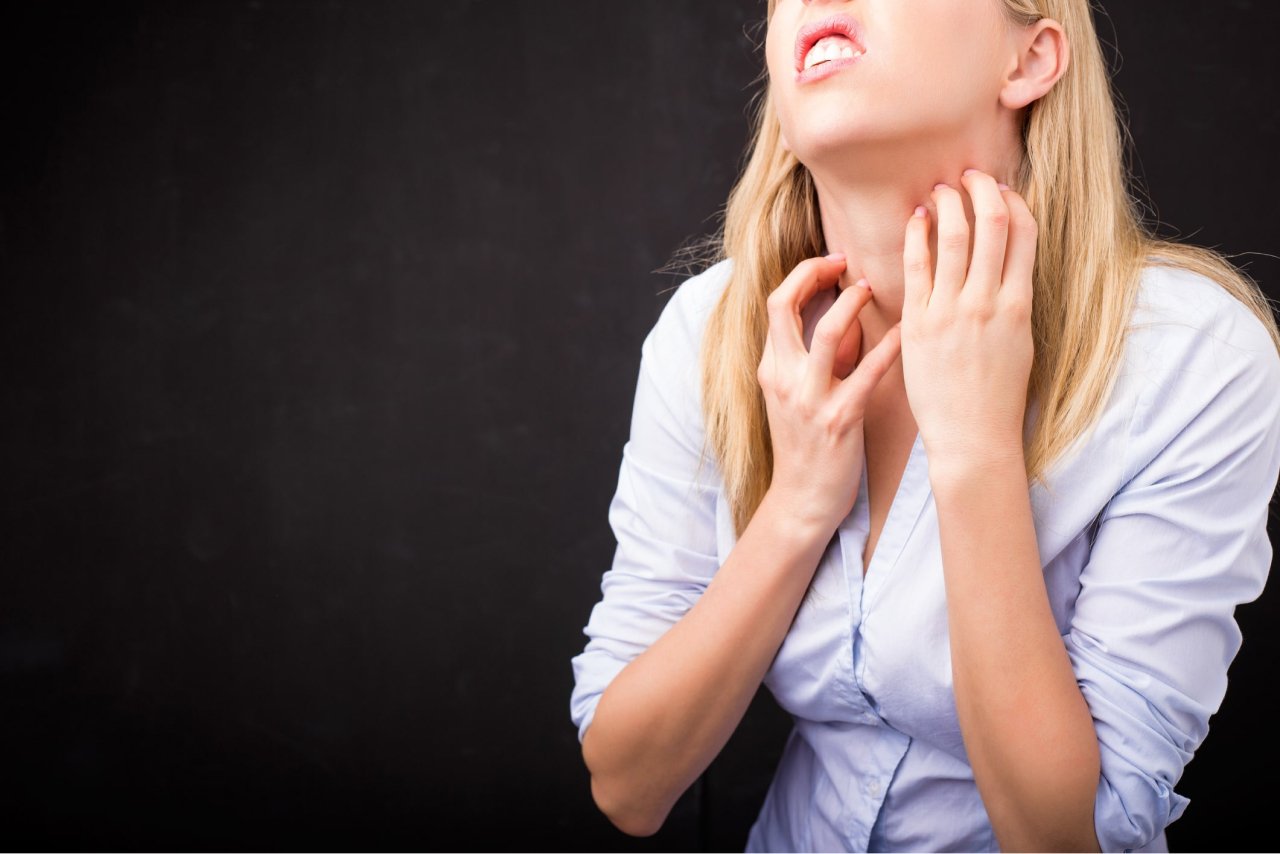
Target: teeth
[{"x": 829, "y": 48}]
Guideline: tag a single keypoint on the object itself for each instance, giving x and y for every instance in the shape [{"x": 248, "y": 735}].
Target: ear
[
  {"x": 1042, "y": 57},
  {"x": 782, "y": 138}
]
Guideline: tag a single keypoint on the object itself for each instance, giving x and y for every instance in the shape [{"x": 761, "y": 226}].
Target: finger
[
  {"x": 953, "y": 241},
  {"x": 917, "y": 272},
  {"x": 849, "y": 351},
  {"x": 854, "y": 391},
  {"x": 1020, "y": 257},
  {"x": 784, "y": 304},
  {"x": 827, "y": 335},
  {"x": 991, "y": 233}
]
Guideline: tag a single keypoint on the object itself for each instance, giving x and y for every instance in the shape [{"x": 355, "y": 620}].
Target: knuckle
[
  {"x": 1019, "y": 307},
  {"x": 997, "y": 219},
  {"x": 916, "y": 265},
  {"x": 826, "y": 332},
  {"x": 832, "y": 422},
  {"x": 954, "y": 239}
]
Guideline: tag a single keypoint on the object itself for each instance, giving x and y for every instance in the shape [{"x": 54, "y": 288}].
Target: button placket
[{"x": 849, "y": 532}]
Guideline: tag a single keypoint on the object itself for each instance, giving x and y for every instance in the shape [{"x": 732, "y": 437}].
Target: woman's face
[{"x": 930, "y": 72}]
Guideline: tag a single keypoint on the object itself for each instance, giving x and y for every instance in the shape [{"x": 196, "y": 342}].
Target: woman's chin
[
  {"x": 833, "y": 144},
  {"x": 828, "y": 146}
]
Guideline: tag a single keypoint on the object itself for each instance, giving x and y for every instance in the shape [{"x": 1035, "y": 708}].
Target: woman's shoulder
[
  {"x": 1186, "y": 324},
  {"x": 671, "y": 354},
  {"x": 1178, "y": 308},
  {"x": 1195, "y": 348},
  {"x": 1198, "y": 381},
  {"x": 673, "y": 344},
  {"x": 687, "y": 310}
]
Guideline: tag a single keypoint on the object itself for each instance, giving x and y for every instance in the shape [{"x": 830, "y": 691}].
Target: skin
[{"x": 929, "y": 117}]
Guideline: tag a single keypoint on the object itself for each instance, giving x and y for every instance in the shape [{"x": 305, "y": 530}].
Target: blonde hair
[{"x": 1092, "y": 246}]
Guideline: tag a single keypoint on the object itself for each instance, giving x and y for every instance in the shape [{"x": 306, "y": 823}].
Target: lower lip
[{"x": 824, "y": 70}]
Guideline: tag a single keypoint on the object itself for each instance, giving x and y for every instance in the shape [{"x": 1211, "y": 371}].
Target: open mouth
[
  {"x": 827, "y": 40},
  {"x": 829, "y": 48}
]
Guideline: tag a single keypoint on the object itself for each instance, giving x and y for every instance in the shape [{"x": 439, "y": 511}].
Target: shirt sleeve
[
  {"x": 663, "y": 512},
  {"x": 1176, "y": 549}
]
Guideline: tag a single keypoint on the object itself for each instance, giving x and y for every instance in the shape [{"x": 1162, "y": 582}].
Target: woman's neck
[{"x": 866, "y": 219}]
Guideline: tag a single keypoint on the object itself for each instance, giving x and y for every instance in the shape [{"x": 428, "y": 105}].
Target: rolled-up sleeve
[
  {"x": 663, "y": 512},
  {"x": 1176, "y": 549}
]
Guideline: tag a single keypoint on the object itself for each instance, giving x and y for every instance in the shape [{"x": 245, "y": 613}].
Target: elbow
[
  {"x": 616, "y": 802},
  {"x": 622, "y": 813}
]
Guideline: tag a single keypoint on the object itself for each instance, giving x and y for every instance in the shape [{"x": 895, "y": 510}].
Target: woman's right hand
[{"x": 815, "y": 407}]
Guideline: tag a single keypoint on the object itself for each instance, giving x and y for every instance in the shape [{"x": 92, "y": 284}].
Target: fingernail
[
  {"x": 836, "y": 256},
  {"x": 969, "y": 171},
  {"x": 1003, "y": 186},
  {"x": 920, "y": 211},
  {"x": 862, "y": 283},
  {"x": 940, "y": 186}
]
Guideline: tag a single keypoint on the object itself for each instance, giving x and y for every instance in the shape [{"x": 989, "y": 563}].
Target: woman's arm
[
  {"x": 671, "y": 710},
  {"x": 967, "y": 354},
  {"x": 1179, "y": 545},
  {"x": 669, "y": 713},
  {"x": 1027, "y": 728}
]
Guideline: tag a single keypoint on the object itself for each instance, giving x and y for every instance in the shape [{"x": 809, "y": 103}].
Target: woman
[{"x": 974, "y": 489}]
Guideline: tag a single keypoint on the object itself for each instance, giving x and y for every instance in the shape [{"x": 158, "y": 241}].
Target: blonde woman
[{"x": 945, "y": 449}]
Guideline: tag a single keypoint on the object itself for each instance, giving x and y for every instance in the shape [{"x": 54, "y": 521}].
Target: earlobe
[
  {"x": 782, "y": 137},
  {"x": 1042, "y": 61}
]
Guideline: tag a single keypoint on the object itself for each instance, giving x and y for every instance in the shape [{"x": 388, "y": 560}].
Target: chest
[{"x": 889, "y": 435}]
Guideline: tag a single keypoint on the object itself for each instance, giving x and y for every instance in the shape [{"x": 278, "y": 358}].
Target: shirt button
[{"x": 874, "y": 787}]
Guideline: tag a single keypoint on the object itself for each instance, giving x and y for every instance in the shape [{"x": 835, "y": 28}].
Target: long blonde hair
[{"x": 1092, "y": 246}]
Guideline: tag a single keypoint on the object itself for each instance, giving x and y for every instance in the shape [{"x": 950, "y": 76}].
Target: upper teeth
[{"x": 830, "y": 47}]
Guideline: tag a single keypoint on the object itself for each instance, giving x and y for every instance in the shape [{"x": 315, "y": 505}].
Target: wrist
[
  {"x": 791, "y": 517},
  {"x": 962, "y": 468}
]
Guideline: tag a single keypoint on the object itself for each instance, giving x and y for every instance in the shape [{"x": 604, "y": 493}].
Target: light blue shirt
[{"x": 1153, "y": 531}]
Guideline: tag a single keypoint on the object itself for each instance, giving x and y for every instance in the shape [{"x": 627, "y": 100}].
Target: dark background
[{"x": 321, "y": 334}]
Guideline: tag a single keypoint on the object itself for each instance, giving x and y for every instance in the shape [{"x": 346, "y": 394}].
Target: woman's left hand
[{"x": 966, "y": 331}]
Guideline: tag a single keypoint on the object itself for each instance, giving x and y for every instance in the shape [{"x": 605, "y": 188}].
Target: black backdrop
[{"x": 321, "y": 333}]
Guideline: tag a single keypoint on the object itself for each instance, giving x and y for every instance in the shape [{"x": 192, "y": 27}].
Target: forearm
[
  {"x": 670, "y": 711},
  {"x": 1027, "y": 728}
]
